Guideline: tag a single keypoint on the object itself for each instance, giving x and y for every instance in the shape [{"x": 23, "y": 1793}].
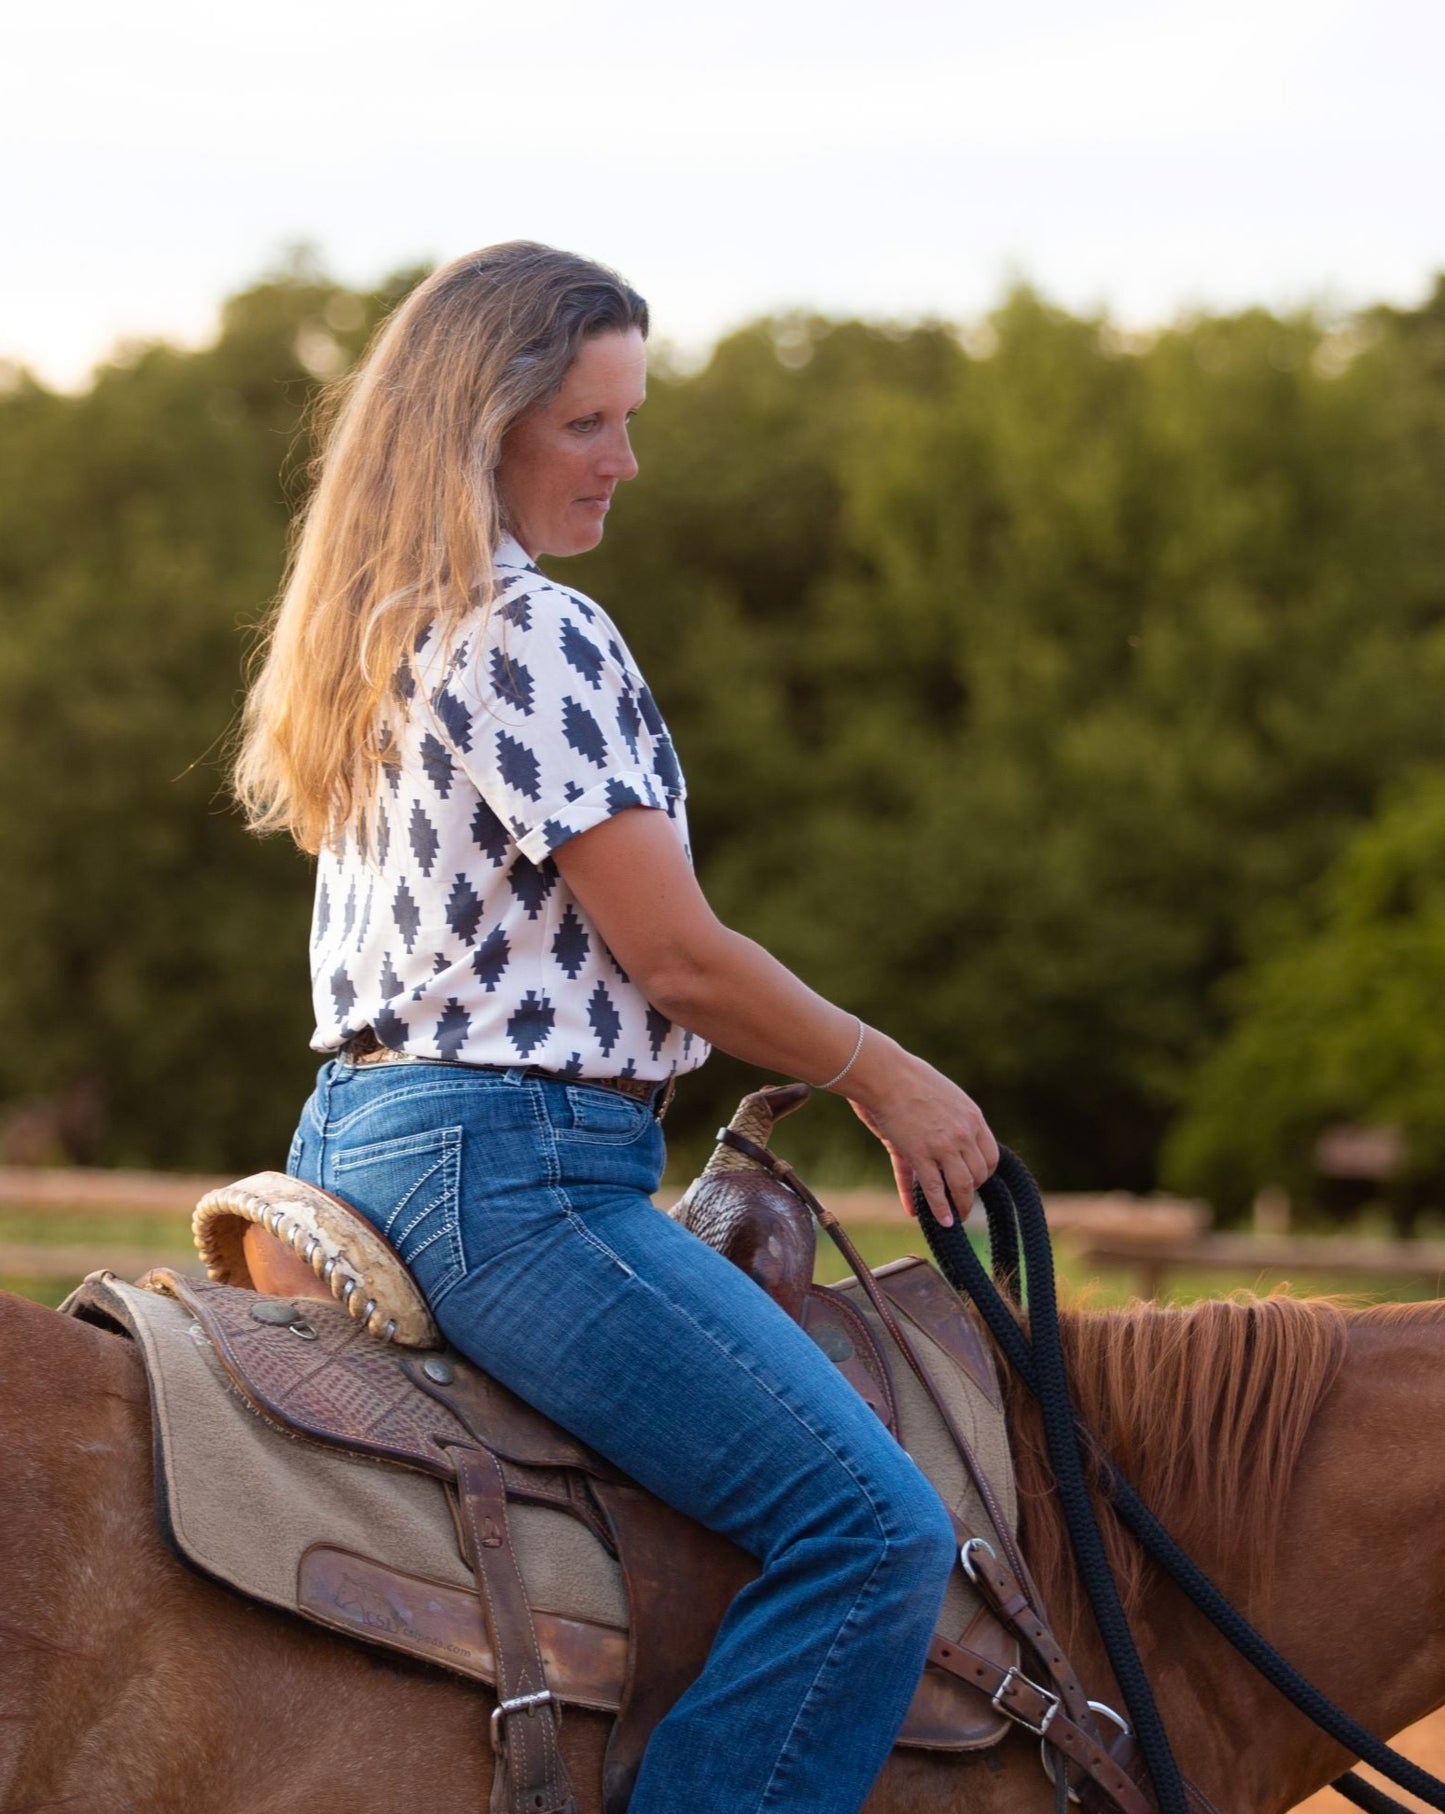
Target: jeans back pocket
[{"x": 409, "y": 1189}]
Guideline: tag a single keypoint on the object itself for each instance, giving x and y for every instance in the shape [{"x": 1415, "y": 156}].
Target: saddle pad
[
  {"x": 371, "y": 1549},
  {"x": 245, "y": 1502},
  {"x": 949, "y": 1344}
]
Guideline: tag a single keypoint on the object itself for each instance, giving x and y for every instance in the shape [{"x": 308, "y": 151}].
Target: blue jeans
[{"x": 522, "y": 1206}]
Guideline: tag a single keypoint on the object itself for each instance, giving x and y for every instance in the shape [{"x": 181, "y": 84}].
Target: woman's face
[{"x": 563, "y": 460}]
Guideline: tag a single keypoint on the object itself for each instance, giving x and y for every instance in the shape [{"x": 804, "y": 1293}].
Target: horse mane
[{"x": 1205, "y": 1411}]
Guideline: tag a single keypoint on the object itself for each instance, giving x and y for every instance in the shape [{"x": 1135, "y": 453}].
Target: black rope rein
[{"x": 1016, "y": 1222}]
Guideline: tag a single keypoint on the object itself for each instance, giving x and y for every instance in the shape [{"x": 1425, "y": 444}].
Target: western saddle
[{"x": 407, "y": 1398}]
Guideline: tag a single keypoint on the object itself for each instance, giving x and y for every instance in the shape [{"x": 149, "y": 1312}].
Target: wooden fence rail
[
  {"x": 1153, "y": 1260},
  {"x": 97, "y": 1191},
  {"x": 56, "y": 1197}
]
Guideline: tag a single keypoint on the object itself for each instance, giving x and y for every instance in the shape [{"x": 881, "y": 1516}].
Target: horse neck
[{"x": 1357, "y": 1591}]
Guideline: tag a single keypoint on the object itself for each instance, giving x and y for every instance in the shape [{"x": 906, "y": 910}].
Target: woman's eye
[{"x": 584, "y": 425}]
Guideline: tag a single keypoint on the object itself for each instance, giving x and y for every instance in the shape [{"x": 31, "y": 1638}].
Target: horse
[{"x": 1294, "y": 1445}]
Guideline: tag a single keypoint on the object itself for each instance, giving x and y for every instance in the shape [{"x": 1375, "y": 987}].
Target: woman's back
[{"x": 442, "y": 922}]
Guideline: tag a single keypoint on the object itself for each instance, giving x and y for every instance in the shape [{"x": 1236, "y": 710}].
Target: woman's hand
[{"x": 933, "y": 1133}]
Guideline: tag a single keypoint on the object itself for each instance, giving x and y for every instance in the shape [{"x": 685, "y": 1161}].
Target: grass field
[
  {"x": 128, "y": 1244},
  {"x": 131, "y": 1243}
]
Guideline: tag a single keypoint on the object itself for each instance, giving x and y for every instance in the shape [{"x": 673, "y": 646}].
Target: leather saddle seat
[{"x": 285, "y": 1238}]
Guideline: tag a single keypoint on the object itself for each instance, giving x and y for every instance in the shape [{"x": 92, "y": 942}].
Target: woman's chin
[{"x": 583, "y": 537}]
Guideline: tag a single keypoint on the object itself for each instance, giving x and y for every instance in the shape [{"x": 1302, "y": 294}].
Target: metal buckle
[
  {"x": 966, "y": 1555},
  {"x": 524, "y": 1703},
  {"x": 1016, "y": 1674}
]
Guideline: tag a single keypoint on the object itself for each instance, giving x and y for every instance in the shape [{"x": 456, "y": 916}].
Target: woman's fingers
[
  {"x": 988, "y": 1150},
  {"x": 936, "y": 1136},
  {"x": 957, "y": 1175},
  {"x": 960, "y": 1179},
  {"x": 932, "y": 1187},
  {"x": 903, "y": 1178},
  {"x": 977, "y": 1146},
  {"x": 940, "y": 1185}
]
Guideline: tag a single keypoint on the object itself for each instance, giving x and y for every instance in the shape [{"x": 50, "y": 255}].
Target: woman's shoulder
[
  {"x": 533, "y": 614},
  {"x": 538, "y": 651}
]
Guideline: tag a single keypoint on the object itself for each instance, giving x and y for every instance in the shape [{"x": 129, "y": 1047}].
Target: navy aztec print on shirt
[{"x": 443, "y": 923}]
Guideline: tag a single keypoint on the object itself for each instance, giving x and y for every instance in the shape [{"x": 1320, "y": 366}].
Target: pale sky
[{"x": 897, "y": 159}]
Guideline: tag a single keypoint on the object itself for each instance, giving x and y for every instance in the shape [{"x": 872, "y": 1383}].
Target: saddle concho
[{"x": 350, "y": 1360}]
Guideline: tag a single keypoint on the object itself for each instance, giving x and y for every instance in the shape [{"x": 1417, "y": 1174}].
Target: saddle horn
[{"x": 745, "y": 1213}]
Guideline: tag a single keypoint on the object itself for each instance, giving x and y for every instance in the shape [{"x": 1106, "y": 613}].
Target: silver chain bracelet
[{"x": 862, "y": 1031}]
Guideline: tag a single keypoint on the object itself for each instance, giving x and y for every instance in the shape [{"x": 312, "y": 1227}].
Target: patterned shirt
[{"x": 442, "y": 921}]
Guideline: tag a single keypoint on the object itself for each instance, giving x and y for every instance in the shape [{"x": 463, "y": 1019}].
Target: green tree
[
  {"x": 1345, "y": 1022},
  {"x": 154, "y": 953},
  {"x": 1022, "y": 696}
]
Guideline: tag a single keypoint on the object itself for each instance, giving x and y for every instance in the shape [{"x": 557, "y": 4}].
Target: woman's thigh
[{"x": 525, "y": 1210}]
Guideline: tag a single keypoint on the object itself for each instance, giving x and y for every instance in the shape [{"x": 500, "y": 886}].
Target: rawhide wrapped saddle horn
[{"x": 748, "y": 1215}]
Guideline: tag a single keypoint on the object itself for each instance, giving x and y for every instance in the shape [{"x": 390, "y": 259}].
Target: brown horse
[{"x": 1297, "y": 1448}]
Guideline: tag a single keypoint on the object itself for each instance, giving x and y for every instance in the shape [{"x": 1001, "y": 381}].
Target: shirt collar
[{"x": 511, "y": 553}]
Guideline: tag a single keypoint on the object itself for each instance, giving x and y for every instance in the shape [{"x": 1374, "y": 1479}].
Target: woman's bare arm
[{"x": 631, "y": 876}]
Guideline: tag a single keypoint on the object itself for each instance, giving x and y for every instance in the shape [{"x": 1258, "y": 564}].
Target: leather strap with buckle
[
  {"x": 1040, "y": 1711},
  {"x": 529, "y": 1776}
]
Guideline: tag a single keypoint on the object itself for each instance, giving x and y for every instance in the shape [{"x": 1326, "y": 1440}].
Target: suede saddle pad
[{"x": 369, "y": 1548}]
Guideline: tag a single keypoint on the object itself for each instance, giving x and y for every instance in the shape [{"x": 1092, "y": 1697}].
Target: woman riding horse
[{"x": 512, "y": 963}]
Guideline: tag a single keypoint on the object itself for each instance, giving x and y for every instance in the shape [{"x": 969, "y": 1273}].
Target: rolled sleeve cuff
[{"x": 570, "y": 818}]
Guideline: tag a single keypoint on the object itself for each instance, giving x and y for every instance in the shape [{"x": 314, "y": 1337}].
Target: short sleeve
[{"x": 549, "y": 718}]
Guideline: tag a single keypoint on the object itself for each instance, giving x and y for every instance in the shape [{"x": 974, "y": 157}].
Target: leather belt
[{"x": 366, "y": 1048}]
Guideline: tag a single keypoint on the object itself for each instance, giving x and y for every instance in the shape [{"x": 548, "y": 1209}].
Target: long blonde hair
[{"x": 404, "y": 516}]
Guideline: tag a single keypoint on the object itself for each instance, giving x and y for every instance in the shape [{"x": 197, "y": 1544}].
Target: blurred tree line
[{"x": 1068, "y": 703}]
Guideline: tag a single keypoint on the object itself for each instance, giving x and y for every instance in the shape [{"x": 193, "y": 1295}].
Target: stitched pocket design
[
  {"x": 409, "y": 1188},
  {"x": 602, "y": 1117}
]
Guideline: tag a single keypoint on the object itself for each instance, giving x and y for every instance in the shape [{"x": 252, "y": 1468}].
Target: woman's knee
[
  {"x": 923, "y": 1534},
  {"x": 903, "y": 1525}
]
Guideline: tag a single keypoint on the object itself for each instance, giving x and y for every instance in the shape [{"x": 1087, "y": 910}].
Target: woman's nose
[{"x": 618, "y": 461}]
